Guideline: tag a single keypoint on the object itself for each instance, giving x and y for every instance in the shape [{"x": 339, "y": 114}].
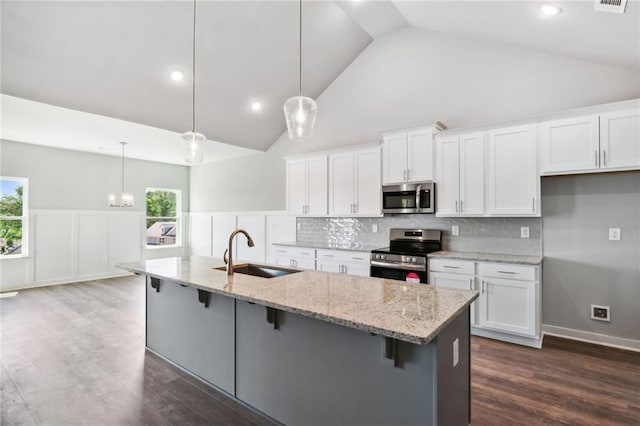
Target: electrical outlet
[
  {"x": 524, "y": 232},
  {"x": 299, "y": 226},
  {"x": 601, "y": 313},
  {"x": 456, "y": 352},
  {"x": 374, "y": 228},
  {"x": 614, "y": 234},
  {"x": 455, "y": 230}
]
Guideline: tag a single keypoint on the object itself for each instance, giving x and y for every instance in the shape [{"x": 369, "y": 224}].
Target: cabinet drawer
[
  {"x": 302, "y": 252},
  {"x": 452, "y": 266},
  {"x": 508, "y": 271},
  {"x": 352, "y": 257}
]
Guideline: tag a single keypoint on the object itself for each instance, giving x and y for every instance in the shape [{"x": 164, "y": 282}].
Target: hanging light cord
[
  {"x": 193, "y": 72},
  {"x": 122, "y": 193},
  {"x": 300, "y": 52}
]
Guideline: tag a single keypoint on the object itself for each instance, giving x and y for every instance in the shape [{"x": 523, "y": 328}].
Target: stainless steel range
[{"x": 406, "y": 257}]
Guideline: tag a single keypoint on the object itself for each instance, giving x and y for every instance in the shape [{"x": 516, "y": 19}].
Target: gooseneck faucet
[{"x": 229, "y": 251}]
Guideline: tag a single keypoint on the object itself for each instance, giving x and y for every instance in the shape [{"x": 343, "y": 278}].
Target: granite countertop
[
  {"x": 487, "y": 257},
  {"x": 328, "y": 246},
  {"x": 414, "y": 313}
]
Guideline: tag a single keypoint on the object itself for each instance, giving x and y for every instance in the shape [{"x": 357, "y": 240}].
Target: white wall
[
  {"x": 73, "y": 234},
  {"x": 410, "y": 77}
]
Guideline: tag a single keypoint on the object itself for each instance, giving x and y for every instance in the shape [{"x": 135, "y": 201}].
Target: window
[
  {"x": 163, "y": 217},
  {"x": 13, "y": 216}
]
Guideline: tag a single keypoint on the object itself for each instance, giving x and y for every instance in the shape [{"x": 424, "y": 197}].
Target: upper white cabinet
[
  {"x": 460, "y": 175},
  {"x": 307, "y": 185},
  {"x": 354, "y": 182},
  {"x": 513, "y": 184},
  {"x": 407, "y": 156},
  {"x": 609, "y": 141}
]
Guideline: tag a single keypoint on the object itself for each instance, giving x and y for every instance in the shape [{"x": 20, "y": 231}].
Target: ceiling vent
[{"x": 614, "y": 6}]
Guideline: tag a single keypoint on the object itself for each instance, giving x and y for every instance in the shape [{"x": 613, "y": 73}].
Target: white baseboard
[
  {"x": 38, "y": 284},
  {"x": 533, "y": 342},
  {"x": 589, "y": 337}
]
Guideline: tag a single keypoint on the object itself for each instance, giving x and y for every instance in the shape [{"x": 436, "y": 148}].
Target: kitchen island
[{"x": 314, "y": 347}]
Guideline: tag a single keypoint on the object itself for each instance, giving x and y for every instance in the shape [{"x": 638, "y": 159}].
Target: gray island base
[{"x": 294, "y": 349}]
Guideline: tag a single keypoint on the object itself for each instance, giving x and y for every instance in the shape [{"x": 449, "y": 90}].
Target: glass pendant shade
[
  {"x": 192, "y": 147},
  {"x": 300, "y": 113}
]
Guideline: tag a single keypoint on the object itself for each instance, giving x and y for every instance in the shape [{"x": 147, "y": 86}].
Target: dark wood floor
[{"x": 74, "y": 354}]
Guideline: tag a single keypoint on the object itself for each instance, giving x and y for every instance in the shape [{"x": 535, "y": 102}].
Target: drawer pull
[
  {"x": 282, "y": 251},
  {"x": 507, "y": 272},
  {"x": 358, "y": 258},
  {"x": 450, "y": 267},
  {"x": 305, "y": 252},
  {"x": 327, "y": 255}
]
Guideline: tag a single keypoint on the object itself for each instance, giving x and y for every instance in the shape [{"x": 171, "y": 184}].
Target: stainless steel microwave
[{"x": 416, "y": 197}]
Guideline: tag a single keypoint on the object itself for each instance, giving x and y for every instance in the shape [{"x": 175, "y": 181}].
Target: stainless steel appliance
[
  {"x": 409, "y": 198},
  {"x": 406, "y": 257}
]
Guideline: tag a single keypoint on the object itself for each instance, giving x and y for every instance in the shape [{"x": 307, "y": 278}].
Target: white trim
[
  {"x": 24, "y": 252},
  {"x": 61, "y": 281},
  {"x": 590, "y": 337},
  {"x": 533, "y": 342}
]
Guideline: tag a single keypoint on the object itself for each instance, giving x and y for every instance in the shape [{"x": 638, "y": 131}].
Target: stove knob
[
  {"x": 382, "y": 256},
  {"x": 414, "y": 260}
]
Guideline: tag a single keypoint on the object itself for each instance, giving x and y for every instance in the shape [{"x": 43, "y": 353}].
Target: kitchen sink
[{"x": 262, "y": 271}]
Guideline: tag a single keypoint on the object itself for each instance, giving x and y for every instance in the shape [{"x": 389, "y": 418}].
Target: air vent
[{"x": 614, "y": 6}]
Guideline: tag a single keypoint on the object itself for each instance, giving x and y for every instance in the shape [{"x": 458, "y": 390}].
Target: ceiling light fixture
[
  {"x": 192, "y": 145},
  {"x": 256, "y": 106},
  {"x": 177, "y": 75},
  {"x": 550, "y": 9},
  {"x": 126, "y": 199},
  {"x": 300, "y": 111}
]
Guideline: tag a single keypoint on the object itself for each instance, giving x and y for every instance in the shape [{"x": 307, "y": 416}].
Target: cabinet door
[
  {"x": 448, "y": 182},
  {"x": 255, "y": 226},
  {"x": 569, "y": 145},
  {"x": 420, "y": 155},
  {"x": 356, "y": 269},
  {"x": 317, "y": 185},
  {"x": 304, "y": 263},
  {"x": 367, "y": 192},
  {"x": 471, "y": 174},
  {"x": 512, "y": 172},
  {"x": 394, "y": 157},
  {"x": 620, "y": 139},
  {"x": 326, "y": 266},
  {"x": 283, "y": 260},
  {"x": 464, "y": 282},
  {"x": 508, "y": 305},
  {"x": 341, "y": 178},
  {"x": 296, "y": 186}
]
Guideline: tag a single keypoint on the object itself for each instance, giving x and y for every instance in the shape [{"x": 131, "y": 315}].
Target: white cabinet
[
  {"x": 509, "y": 300},
  {"x": 343, "y": 262},
  {"x": 307, "y": 185},
  {"x": 354, "y": 182},
  {"x": 460, "y": 175},
  {"x": 407, "y": 156},
  {"x": 569, "y": 145},
  {"x": 295, "y": 257},
  {"x": 609, "y": 141},
  {"x": 513, "y": 184}
]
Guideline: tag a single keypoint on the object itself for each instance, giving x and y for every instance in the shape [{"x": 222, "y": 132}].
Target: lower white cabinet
[
  {"x": 343, "y": 262},
  {"x": 296, "y": 257},
  {"x": 508, "y": 307}
]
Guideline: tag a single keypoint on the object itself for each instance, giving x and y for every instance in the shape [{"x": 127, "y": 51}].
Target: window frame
[
  {"x": 24, "y": 252},
  {"x": 178, "y": 218}
]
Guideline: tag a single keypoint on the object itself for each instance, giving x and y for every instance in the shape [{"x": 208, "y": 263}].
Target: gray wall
[
  {"x": 581, "y": 266},
  {"x": 487, "y": 235},
  {"x": 61, "y": 179},
  {"x": 409, "y": 77}
]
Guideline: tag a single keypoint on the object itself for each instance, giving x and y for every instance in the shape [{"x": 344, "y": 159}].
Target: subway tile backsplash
[{"x": 485, "y": 235}]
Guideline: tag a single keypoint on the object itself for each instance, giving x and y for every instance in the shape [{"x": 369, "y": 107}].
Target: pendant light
[
  {"x": 300, "y": 111},
  {"x": 193, "y": 141},
  {"x": 126, "y": 199}
]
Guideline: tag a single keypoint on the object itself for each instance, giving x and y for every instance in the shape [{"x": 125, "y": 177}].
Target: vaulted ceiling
[{"x": 113, "y": 58}]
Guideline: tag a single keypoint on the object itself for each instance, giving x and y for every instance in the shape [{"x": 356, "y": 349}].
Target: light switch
[
  {"x": 374, "y": 228},
  {"x": 524, "y": 232},
  {"x": 455, "y": 230},
  {"x": 614, "y": 234},
  {"x": 299, "y": 227}
]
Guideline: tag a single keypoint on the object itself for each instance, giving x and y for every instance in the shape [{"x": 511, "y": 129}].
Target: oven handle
[{"x": 422, "y": 268}]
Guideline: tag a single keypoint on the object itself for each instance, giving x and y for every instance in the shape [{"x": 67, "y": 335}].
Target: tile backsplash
[{"x": 485, "y": 235}]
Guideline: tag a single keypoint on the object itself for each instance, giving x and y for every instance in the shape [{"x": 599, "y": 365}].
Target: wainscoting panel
[
  {"x": 54, "y": 248},
  {"x": 93, "y": 245}
]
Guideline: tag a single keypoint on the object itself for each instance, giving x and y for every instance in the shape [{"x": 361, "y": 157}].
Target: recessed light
[
  {"x": 177, "y": 75},
  {"x": 550, "y": 9},
  {"x": 256, "y": 106}
]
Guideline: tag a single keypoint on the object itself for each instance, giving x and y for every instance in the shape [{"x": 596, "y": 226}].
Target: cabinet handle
[
  {"x": 450, "y": 267},
  {"x": 282, "y": 251},
  {"x": 604, "y": 157},
  {"x": 470, "y": 283},
  {"x": 344, "y": 269},
  {"x": 408, "y": 174},
  {"x": 305, "y": 252},
  {"x": 533, "y": 201},
  {"x": 290, "y": 262},
  {"x": 327, "y": 255},
  {"x": 355, "y": 208},
  {"x": 358, "y": 258},
  {"x": 482, "y": 288},
  {"x": 456, "y": 206},
  {"x": 295, "y": 262},
  {"x": 460, "y": 206},
  {"x": 507, "y": 272},
  {"x": 595, "y": 158}
]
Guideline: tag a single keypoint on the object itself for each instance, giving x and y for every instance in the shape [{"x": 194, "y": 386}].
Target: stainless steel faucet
[{"x": 229, "y": 251}]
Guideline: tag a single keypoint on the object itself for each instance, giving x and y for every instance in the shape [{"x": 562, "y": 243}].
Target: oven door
[{"x": 398, "y": 271}]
